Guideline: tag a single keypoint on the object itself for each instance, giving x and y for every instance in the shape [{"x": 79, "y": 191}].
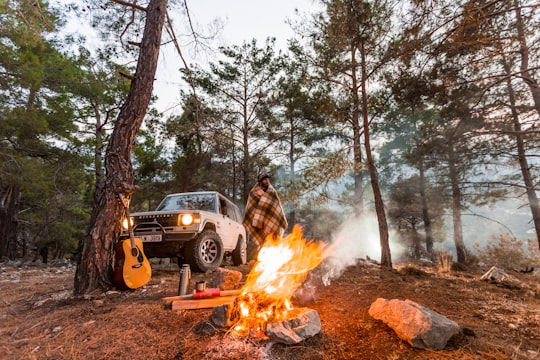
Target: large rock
[
  {"x": 421, "y": 327},
  {"x": 497, "y": 275},
  {"x": 301, "y": 324},
  {"x": 226, "y": 279}
]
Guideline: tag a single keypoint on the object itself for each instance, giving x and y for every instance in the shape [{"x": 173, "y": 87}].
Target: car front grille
[{"x": 164, "y": 220}]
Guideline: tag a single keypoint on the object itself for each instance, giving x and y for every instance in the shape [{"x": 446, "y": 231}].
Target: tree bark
[
  {"x": 98, "y": 155},
  {"x": 292, "y": 174},
  {"x": 94, "y": 270},
  {"x": 357, "y": 149},
  {"x": 425, "y": 212},
  {"x": 386, "y": 258},
  {"x": 534, "y": 204},
  {"x": 9, "y": 210},
  {"x": 526, "y": 73},
  {"x": 456, "y": 208},
  {"x": 246, "y": 161}
]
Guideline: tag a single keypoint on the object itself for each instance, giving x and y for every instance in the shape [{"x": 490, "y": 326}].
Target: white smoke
[{"x": 355, "y": 238}]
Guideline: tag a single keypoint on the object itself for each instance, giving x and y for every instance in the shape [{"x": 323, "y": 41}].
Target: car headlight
[
  {"x": 125, "y": 224},
  {"x": 188, "y": 219}
]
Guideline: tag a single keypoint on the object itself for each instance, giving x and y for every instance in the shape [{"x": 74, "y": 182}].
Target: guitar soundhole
[{"x": 136, "y": 253}]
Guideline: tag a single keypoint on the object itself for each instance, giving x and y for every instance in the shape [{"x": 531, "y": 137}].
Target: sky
[{"x": 242, "y": 21}]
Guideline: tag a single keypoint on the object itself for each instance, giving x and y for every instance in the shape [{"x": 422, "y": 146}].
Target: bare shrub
[
  {"x": 509, "y": 253},
  {"x": 444, "y": 261}
]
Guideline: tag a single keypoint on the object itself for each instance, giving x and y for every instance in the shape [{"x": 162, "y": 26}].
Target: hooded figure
[{"x": 264, "y": 214}]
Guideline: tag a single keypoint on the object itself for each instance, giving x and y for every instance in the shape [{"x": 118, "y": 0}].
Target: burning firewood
[{"x": 281, "y": 268}]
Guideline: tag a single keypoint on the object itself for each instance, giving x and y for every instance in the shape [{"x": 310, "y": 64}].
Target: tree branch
[{"x": 128, "y": 4}]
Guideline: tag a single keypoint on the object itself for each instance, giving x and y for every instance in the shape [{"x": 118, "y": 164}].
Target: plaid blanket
[{"x": 264, "y": 214}]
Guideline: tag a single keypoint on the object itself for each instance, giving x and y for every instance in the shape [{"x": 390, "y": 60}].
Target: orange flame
[{"x": 282, "y": 266}]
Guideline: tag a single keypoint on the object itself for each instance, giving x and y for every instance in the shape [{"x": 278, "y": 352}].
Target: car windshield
[{"x": 205, "y": 202}]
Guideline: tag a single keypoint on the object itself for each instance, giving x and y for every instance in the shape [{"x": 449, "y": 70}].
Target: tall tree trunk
[
  {"x": 94, "y": 269},
  {"x": 234, "y": 166},
  {"x": 246, "y": 184},
  {"x": 386, "y": 258},
  {"x": 425, "y": 211},
  {"x": 522, "y": 157},
  {"x": 357, "y": 148},
  {"x": 98, "y": 154},
  {"x": 9, "y": 210},
  {"x": 292, "y": 175},
  {"x": 526, "y": 73},
  {"x": 456, "y": 208}
]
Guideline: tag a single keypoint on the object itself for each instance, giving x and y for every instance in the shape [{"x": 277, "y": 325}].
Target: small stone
[
  {"x": 221, "y": 315},
  {"x": 205, "y": 328}
]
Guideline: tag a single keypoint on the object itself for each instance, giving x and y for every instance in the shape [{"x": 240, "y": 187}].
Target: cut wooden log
[
  {"x": 202, "y": 303},
  {"x": 170, "y": 299}
]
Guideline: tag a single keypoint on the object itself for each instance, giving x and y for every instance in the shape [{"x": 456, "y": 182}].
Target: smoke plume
[{"x": 355, "y": 238}]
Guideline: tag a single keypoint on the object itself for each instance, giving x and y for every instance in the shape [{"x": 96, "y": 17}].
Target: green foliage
[
  {"x": 297, "y": 115},
  {"x": 37, "y": 152},
  {"x": 200, "y": 158},
  {"x": 54, "y": 210},
  {"x": 152, "y": 172},
  {"x": 405, "y": 213},
  {"x": 318, "y": 222},
  {"x": 238, "y": 97},
  {"x": 507, "y": 252}
]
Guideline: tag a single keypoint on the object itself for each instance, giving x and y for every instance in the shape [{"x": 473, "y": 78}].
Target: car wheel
[
  {"x": 205, "y": 252},
  {"x": 239, "y": 255}
]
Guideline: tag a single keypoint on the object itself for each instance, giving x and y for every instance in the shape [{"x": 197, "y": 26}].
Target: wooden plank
[
  {"x": 202, "y": 303},
  {"x": 170, "y": 299}
]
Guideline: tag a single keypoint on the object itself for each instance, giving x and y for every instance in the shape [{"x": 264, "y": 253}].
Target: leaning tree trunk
[{"x": 94, "y": 269}]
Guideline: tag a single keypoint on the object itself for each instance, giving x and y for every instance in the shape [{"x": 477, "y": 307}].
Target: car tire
[
  {"x": 205, "y": 252},
  {"x": 239, "y": 255}
]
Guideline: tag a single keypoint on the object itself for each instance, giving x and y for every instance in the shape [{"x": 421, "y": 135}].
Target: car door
[
  {"x": 225, "y": 224},
  {"x": 237, "y": 227}
]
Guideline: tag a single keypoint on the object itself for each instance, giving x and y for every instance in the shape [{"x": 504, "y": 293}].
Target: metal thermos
[{"x": 185, "y": 275}]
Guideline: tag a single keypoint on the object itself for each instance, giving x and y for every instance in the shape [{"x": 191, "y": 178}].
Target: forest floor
[{"x": 40, "y": 319}]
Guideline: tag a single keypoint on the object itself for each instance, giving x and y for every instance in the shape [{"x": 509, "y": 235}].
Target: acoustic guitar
[{"x": 132, "y": 269}]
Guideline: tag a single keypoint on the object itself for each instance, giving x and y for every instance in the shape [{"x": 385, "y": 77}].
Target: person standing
[{"x": 264, "y": 215}]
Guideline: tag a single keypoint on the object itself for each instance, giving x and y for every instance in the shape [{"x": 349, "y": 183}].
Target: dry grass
[{"x": 40, "y": 319}]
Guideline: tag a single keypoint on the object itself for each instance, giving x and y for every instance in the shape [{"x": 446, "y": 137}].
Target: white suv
[{"x": 199, "y": 228}]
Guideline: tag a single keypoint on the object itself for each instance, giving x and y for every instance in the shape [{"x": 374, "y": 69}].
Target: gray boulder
[{"x": 421, "y": 327}]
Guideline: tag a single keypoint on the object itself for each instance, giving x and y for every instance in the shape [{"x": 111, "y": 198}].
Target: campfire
[{"x": 281, "y": 268}]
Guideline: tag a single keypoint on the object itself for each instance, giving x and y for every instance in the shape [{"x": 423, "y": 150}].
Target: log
[
  {"x": 170, "y": 299},
  {"x": 202, "y": 303}
]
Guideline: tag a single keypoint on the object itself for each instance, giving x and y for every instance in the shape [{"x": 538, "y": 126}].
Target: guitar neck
[{"x": 130, "y": 228}]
